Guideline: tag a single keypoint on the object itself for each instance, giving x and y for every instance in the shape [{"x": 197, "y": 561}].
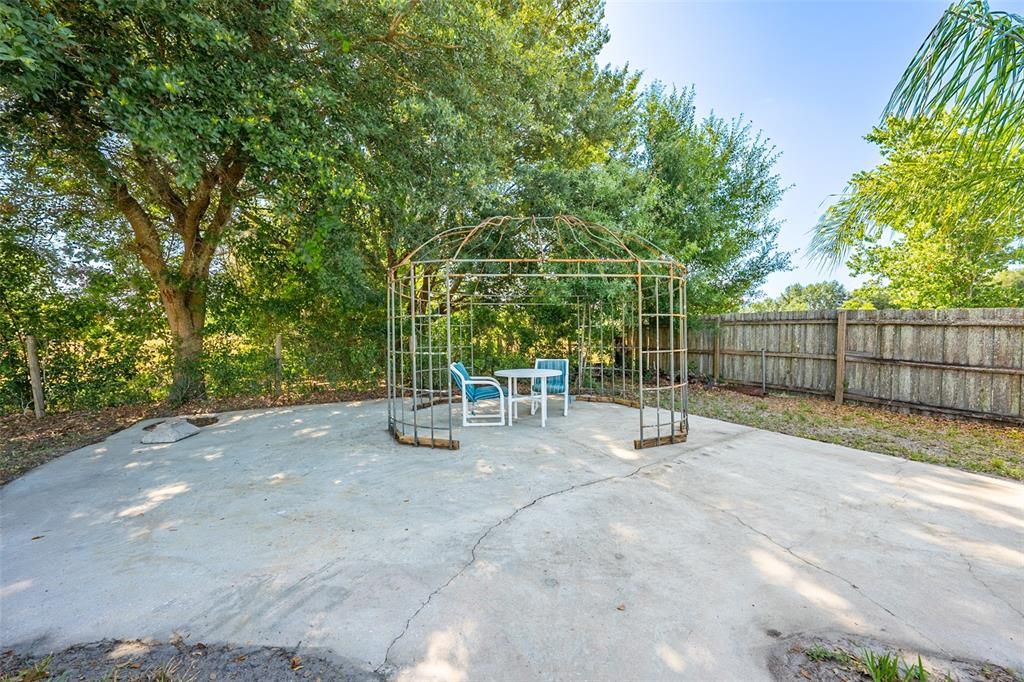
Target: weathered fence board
[{"x": 959, "y": 361}]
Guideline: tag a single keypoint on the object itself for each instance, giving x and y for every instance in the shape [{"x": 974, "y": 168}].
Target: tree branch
[
  {"x": 147, "y": 239},
  {"x": 164, "y": 192},
  {"x": 229, "y": 174},
  {"x": 197, "y": 207}
]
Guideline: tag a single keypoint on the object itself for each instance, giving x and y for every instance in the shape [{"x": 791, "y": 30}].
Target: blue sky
[{"x": 814, "y": 76}]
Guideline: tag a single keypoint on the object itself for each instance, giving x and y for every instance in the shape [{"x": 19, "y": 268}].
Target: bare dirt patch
[
  {"x": 176, "y": 661},
  {"x": 202, "y": 421},
  {"x": 842, "y": 658}
]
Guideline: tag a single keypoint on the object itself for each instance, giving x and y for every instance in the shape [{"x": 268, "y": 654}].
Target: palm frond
[
  {"x": 970, "y": 70},
  {"x": 846, "y": 223}
]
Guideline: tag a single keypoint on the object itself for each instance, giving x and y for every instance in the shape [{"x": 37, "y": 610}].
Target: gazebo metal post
[
  {"x": 413, "y": 351},
  {"x": 389, "y": 359},
  {"x": 657, "y": 357},
  {"x": 671, "y": 359},
  {"x": 684, "y": 384},
  {"x": 448, "y": 353},
  {"x": 640, "y": 344}
]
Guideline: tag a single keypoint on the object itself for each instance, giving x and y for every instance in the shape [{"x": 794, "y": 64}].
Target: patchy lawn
[
  {"x": 27, "y": 442},
  {"x": 972, "y": 446}
]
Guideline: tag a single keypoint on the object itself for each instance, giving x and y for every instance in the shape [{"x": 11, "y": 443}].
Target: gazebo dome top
[{"x": 537, "y": 239}]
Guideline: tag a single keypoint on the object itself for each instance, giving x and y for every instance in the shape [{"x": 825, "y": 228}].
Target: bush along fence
[
  {"x": 965, "y": 362},
  {"x": 60, "y": 374}
]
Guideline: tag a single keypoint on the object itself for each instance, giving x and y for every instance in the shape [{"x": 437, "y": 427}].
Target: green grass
[
  {"x": 888, "y": 667},
  {"x": 40, "y": 670},
  {"x": 819, "y": 652},
  {"x": 972, "y": 446}
]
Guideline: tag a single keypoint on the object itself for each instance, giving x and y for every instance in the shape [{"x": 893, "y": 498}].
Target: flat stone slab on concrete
[
  {"x": 527, "y": 554},
  {"x": 170, "y": 431}
]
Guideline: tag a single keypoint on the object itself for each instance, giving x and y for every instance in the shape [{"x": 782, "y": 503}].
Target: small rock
[{"x": 170, "y": 432}]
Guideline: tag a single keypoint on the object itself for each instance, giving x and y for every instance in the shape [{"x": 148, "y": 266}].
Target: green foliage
[
  {"x": 920, "y": 231},
  {"x": 882, "y": 667},
  {"x": 1013, "y": 280},
  {"x": 700, "y": 189},
  {"x": 709, "y": 199},
  {"x": 869, "y": 297},
  {"x": 916, "y": 672},
  {"x": 818, "y": 296},
  {"x": 182, "y": 181},
  {"x": 40, "y": 670},
  {"x": 888, "y": 667},
  {"x": 820, "y": 652},
  {"x": 969, "y": 69},
  {"x": 949, "y": 195}
]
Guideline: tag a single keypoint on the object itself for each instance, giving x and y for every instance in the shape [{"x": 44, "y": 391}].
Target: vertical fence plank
[
  {"x": 35, "y": 375},
  {"x": 840, "y": 355},
  {"x": 716, "y": 369}
]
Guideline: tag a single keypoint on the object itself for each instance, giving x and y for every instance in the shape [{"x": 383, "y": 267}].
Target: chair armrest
[{"x": 483, "y": 381}]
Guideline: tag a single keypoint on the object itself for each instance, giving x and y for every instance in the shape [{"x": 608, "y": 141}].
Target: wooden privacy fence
[{"x": 958, "y": 361}]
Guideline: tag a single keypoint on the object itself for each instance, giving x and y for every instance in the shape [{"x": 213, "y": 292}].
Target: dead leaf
[
  {"x": 621, "y": 607},
  {"x": 296, "y": 662},
  {"x": 240, "y": 658}
]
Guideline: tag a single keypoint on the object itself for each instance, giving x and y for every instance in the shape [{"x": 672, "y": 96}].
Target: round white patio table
[{"x": 531, "y": 373}]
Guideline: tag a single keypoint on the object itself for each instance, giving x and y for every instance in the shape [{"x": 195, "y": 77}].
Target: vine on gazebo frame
[{"x": 610, "y": 301}]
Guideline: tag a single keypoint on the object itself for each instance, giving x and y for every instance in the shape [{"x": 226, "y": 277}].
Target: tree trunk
[
  {"x": 182, "y": 289},
  {"x": 186, "y": 314}
]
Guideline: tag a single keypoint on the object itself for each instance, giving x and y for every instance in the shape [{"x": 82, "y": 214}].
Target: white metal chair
[
  {"x": 556, "y": 385},
  {"x": 473, "y": 390}
]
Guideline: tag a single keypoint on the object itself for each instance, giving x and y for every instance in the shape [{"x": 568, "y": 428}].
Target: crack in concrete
[
  {"x": 382, "y": 669},
  {"x": 970, "y": 568},
  {"x": 816, "y": 566},
  {"x": 901, "y": 506}
]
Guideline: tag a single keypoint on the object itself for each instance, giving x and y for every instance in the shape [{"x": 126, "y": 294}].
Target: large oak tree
[{"x": 185, "y": 116}]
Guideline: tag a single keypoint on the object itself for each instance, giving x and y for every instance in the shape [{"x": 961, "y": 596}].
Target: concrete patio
[{"x": 554, "y": 554}]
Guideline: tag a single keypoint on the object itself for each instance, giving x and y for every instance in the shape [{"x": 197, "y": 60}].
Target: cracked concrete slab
[{"x": 529, "y": 553}]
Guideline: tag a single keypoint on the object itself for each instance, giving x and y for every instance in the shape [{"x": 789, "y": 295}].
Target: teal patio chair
[
  {"x": 473, "y": 390},
  {"x": 557, "y": 386}
]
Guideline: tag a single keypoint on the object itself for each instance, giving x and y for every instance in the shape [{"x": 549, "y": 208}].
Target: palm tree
[
  {"x": 967, "y": 79},
  {"x": 971, "y": 65}
]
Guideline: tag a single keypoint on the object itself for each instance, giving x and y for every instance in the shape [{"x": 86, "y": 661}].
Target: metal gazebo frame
[{"x": 629, "y": 300}]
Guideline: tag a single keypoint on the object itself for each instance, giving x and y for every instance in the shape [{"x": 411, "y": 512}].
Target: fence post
[
  {"x": 840, "y": 355},
  {"x": 716, "y": 362},
  {"x": 35, "y": 375},
  {"x": 278, "y": 365},
  {"x": 764, "y": 373}
]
